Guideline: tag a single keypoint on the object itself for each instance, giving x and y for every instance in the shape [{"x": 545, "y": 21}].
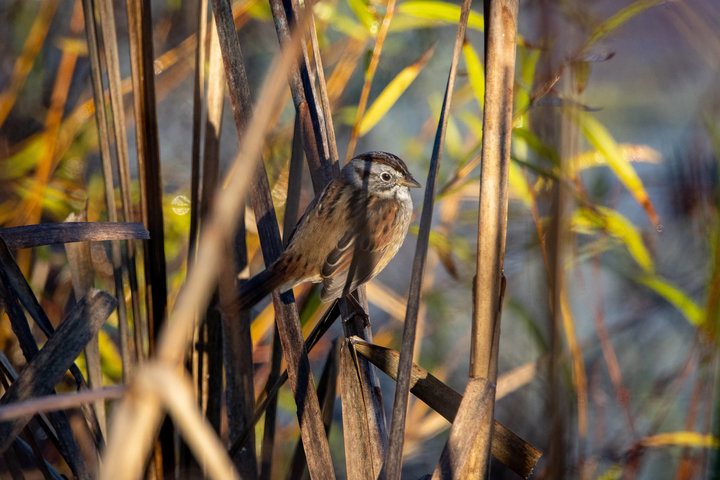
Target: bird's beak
[{"x": 409, "y": 181}]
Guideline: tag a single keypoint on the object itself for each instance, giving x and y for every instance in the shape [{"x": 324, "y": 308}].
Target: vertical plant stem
[
  {"x": 148, "y": 152},
  {"x": 198, "y": 108},
  {"x": 488, "y": 289},
  {"x": 104, "y": 141},
  {"x": 393, "y": 459},
  {"x": 112, "y": 59}
]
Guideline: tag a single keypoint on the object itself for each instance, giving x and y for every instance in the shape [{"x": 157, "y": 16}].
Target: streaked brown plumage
[{"x": 347, "y": 235}]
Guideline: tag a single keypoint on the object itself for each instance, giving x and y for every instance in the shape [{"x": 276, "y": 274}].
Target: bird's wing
[{"x": 355, "y": 259}]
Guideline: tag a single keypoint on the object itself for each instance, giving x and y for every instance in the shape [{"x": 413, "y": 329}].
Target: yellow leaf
[
  {"x": 441, "y": 12},
  {"x": 391, "y": 93},
  {"x": 586, "y": 220},
  {"x": 475, "y": 72},
  {"x": 518, "y": 184},
  {"x": 681, "y": 439},
  {"x": 631, "y": 153},
  {"x": 601, "y": 139},
  {"x": 690, "y": 310}
]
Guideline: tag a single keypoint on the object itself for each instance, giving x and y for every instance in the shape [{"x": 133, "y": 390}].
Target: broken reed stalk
[
  {"x": 393, "y": 459},
  {"x": 488, "y": 288},
  {"x": 47, "y": 368},
  {"x": 135, "y": 422}
]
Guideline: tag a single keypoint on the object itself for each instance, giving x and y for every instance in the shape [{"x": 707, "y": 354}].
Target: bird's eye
[{"x": 386, "y": 177}]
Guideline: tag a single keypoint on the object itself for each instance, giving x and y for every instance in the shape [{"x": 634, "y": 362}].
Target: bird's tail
[{"x": 255, "y": 289}]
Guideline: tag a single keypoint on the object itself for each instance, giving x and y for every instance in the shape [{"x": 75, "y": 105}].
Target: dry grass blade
[
  {"x": 29, "y": 236},
  {"x": 176, "y": 394},
  {"x": 312, "y": 127},
  {"x": 507, "y": 447},
  {"x": 23, "y": 65},
  {"x": 46, "y": 369},
  {"x": 136, "y": 419},
  {"x": 60, "y": 401},
  {"x": 393, "y": 459}
]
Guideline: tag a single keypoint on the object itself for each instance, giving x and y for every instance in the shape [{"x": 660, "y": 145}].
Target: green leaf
[
  {"x": 690, "y": 310},
  {"x": 587, "y": 221},
  {"x": 440, "y": 11},
  {"x": 365, "y": 15},
  {"x": 391, "y": 93},
  {"x": 475, "y": 72},
  {"x": 536, "y": 145}
]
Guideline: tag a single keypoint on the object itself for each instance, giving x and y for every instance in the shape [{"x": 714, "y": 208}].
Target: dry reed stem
[
  {"x": 60, "y": 401},
  {"x": 488, "y": 289}
]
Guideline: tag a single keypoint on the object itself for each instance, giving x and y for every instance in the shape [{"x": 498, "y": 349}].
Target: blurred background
[{"x": 617, "y": 100}]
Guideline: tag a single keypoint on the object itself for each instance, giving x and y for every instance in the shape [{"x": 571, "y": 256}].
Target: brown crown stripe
[{"x": 386, "y": 158}]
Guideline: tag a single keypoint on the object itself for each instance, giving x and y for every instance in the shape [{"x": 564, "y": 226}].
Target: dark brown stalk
[
  {"x": 198, "y": 108},
  {"x": 327, "y": 389},
  {"x": 393, "y": 459},
  {"x": 29, "y": 236},
  {"x": 17, "y": 286},
  {"x": 288, "y": 323},
  {"x": 62, "y": 435},
  {"x": 46, "y": 369},
  {"x": 212, "y": 353},
  {"x": 292, "y": 207},
  {"x": 148, "y": 151},
  {"x": 306, "y": 105},
  {"x": 141, "y": 61},
  {"x": 101, "y": 122}
]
